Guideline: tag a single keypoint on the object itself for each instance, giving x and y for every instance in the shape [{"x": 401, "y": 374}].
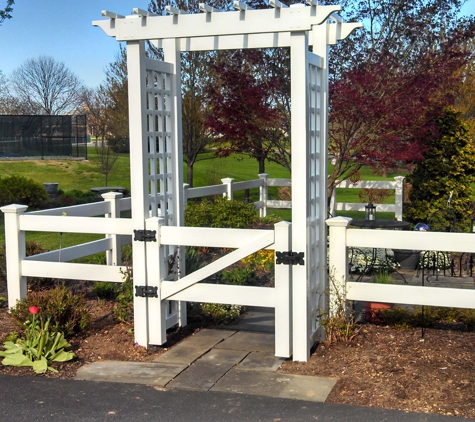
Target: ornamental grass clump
[{"x": 39, "y": 348}]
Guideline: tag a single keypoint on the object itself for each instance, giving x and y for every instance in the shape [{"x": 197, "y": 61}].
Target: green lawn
[{"x": 71, "y": 174}]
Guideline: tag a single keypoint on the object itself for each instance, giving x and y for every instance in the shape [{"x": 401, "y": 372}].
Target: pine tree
[{"x": 441, "y": 194}]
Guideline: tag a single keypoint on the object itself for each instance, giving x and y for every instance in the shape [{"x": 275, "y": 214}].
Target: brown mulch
[{"x": 384, "y": 367}]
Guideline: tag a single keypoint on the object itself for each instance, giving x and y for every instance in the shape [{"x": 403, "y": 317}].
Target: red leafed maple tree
[{"x": 382, "y": 114}]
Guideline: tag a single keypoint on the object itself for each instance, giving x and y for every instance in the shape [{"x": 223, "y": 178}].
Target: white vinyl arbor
[{"x": 156, "y": 165}]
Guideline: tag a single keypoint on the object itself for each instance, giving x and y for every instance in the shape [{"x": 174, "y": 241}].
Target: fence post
[
  {"x": 228, "y": 181},
  {"x": 399, "y": 197},
  {"x": 333, "y": 202},
  {"x": 186, "y": 186},
  {"x": 114, "y": 255},
  {"x": 338, "y": 263},
  {"x": 16, "y": 251},
  {"x": 157, "y": 268},
  {"x": 283, "y": 295},
  {"x": 263, "y": 194}
]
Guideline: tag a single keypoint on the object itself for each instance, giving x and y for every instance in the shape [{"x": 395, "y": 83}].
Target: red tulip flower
[{"x": 33, "y": 310}]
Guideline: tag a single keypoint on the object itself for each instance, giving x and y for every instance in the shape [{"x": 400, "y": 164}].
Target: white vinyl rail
[{"x": 341, "y": 238}]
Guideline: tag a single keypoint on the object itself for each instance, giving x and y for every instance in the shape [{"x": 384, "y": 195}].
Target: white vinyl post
[
  {"x": 228, "y": 181},
  {"x": 186, "y": 186},
  {"x": 113, "y": 256},
  {"x": 172, "y": 54},
  {"x": 157, "y": 271},
  {"x": 300, "y": 285},
  {"x": 333, "y": 203},
  {"x": 399, "y": 196},
  {"x": 138, "y": 176},
  {"x": 283, "y": 292},
  {"x": 263, "y": 194},
  {"x": 15, "y": 245},
  {"x": 338, "y": 266}
]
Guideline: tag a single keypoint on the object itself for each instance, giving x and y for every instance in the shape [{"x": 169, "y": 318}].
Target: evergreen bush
[
  {"x": 222, "y": 213},
  {"x": 445, "y": 172},
  {"x": 20, "y": 190}
]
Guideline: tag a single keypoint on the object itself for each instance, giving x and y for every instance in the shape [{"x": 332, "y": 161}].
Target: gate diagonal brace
[{"x": 290, "y": 258}]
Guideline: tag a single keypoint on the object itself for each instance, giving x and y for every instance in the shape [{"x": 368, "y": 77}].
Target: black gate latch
[
  {"x": 146, "y": 291},
  {"x": 145, "y": 235},
  {"x": 290, "y": 258}
]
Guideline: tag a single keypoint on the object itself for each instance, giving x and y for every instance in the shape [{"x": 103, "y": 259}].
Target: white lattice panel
[
  {"x": 159, "y": 123},
  {"x": 315, "y": 114}
]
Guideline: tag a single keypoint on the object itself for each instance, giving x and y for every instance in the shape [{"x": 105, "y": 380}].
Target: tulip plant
[{"x": 39, "y": 348}]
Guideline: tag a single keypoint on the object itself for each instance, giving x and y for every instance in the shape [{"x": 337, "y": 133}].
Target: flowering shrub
[
  {"x": 39, "y": 348},
  {"x": 261, "y": 260}
]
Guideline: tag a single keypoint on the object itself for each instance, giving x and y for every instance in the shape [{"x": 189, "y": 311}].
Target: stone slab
[
  {"x": 205, "y": 372},
  {"x": 271, "y": 384},
  {"x": 194, "y": 347},
  {"x": 250, "y": 341},
  {"x": 256, "y": 319},
  {"x": 130, "y": 372},
  {"x": 259, "y": 361}
]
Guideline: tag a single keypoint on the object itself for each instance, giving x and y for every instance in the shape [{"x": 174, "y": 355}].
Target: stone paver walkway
[{"x": 229, "y": 360}]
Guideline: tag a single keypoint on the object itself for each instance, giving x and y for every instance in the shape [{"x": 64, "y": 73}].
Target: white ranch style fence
[
  {"x": 396, "y": 208},
  {"x": 84, "y": 219},
  {"x": 229, "y": 186},
  {"x": 342, "y": 238}
]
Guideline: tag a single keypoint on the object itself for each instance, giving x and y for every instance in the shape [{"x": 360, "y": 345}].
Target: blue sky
[{"x": 62, "y": 29}]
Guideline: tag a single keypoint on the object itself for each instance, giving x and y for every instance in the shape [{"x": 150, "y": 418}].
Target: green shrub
[
  {"x": 106, "y": 290},
  {"x": 32, "y": 248},
  {"x": 238, "y": 276},
  {"x": 446, "y": 171},
  {"x": 429, "y": 317},
  {"x": 76, "y": 197},
  {"x": 67, "y": 310},
  {"x": 20, "y": 190},
  {"x": 221, "y": 213},
  {"x": 221, "y": 314},
  {"x": 124, "y": 308}
]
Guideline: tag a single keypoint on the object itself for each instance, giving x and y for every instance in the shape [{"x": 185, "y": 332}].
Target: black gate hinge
[
  {"x": 290, "y": 258},
  {"x": 146, "y": 291},
  {"x": 145, "y": 235}
]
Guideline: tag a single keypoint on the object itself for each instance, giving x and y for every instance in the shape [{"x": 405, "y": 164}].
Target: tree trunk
[
  {"x": 189, "y": 174},
  {"x": 262, "y": 165}
]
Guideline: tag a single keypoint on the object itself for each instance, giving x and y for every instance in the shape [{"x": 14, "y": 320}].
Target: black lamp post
[
  {"x": 472, "y": 224},
  {"x": 370, "y": 212}
]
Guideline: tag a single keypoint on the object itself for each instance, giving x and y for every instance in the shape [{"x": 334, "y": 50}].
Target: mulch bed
[{"x": 384, "y": 367}]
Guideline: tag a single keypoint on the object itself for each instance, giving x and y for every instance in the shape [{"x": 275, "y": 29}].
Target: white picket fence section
[
  {"x": 342, "y": 238},
  {"x": 396, "y": 208}
]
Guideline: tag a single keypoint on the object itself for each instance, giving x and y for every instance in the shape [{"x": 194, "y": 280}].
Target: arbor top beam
[{"x": 296, "y": 18}]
